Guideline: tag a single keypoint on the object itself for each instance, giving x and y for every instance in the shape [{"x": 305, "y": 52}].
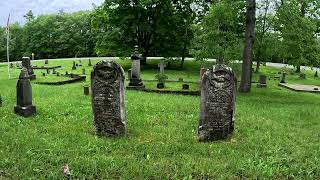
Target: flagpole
[
  {"x": 8, "y": 56},
  {"x": 8, "y": 44}
]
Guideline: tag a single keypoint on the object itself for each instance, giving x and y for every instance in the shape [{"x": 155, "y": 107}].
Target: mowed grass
[{"x": 277, "y": 136}]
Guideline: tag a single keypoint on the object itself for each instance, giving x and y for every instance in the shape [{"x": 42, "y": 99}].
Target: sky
[{"x": 18, "y": 8}]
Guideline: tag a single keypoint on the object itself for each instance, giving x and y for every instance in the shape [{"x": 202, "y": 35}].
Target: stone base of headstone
[
  {"x": 160, "y": 85},
  {"x": 32, "y": 77},
  {"x": 219, "y": 133},
  {"x": 262, "y": 85},
  {"x": 136, "y": 83},
  {"x": 185, "y": 87},
  {"x": 25, "y": 111}
]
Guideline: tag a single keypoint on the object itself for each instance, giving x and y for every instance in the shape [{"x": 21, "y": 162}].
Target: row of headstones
[{"x": 217, "y": 104}]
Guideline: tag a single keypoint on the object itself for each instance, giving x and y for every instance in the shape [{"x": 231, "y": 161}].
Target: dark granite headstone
[
  {"x": 135, "y": 80},
  {"x": 43, "y": 74},
  {"x": 11, "y": 65},
  {"x": 24, "y": 105},
  {"x": 217, "y": 107},
  {"x": 46, "y": 61},
  {"x": 185, "y": 86},
  {"x": 316, "y": 74},
  {"x": 90, "y": 64},
  {"x": 86, "y": 90},
  {"x": 108, "y": 101},
  {"x": 48, "y": 71},
  {"x": 58, "y": 73},
  {"x": 129, "y": 74},
  {"x": 26, "y": 63},
  {"x": 262, "y": 81},
  {"x": 74, "y": 67}
]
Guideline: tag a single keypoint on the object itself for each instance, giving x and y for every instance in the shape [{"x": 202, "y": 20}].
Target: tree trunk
[
  {"x": 245, "y": 85},
  {"x": 298, "y": 70},
  {"x": 183, "y": 56}
]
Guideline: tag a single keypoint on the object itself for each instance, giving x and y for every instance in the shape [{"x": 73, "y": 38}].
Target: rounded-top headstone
[{"x": 108, "y": 101}]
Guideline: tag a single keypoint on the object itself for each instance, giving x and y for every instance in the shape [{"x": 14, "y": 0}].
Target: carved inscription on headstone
[
  {"x": 108, "y": 102},
  {"x": 26, "y": 63},
  {"x": 217, "y": 108}
]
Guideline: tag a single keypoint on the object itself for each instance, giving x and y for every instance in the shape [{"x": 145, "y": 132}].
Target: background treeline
[{"x": 286, "y": 31}]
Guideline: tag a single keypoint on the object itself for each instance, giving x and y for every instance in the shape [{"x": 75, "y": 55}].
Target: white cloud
[{"x": 17, "y": 8}]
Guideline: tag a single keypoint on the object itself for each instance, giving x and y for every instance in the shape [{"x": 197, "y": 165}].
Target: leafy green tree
[
  {"x": 220, "y": 35},
  {"x": 158, "y": 27}
]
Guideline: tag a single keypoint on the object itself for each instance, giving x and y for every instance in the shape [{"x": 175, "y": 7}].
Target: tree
[
  {"x": 156, "y": 26},
  {"x": 297, "y": 24},
  {"x": 245, "y": 85},
  {"x": 219, "y": 35}
]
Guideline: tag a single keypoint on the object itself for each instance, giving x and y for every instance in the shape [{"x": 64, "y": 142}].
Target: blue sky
[{"x": 18, "y": 8}]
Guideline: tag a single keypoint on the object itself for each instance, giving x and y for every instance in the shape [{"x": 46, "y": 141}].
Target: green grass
[{"x": 276, "y": 137}]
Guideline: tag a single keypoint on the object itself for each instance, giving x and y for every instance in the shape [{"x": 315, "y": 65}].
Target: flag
[{"x": 8, "y": 24}]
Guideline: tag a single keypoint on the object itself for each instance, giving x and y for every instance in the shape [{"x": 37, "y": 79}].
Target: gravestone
[
  {"x": 11, "y": 65},
  {"x": 135, "y": 80},
  {"x": 54, "y": 71},
  {"x": 83, "y": 71},
  {"x": 185, "y": 86},
  {"x": 316, "y": 74},
  {"x": 180, "y": 79},
  {"x": 108, "y": 101},
  {"x": 24, "y": 105},
  {"x": 26, "y": 63},
  {"x": 129, "y": 74},
  {"x": 43, "y": 74},
  {"x": 48, "y": 71},
  {"x": 90, "y": 64},
  {"x": 162, "y": 66},
  {"x": 283, "y": 79},
  {"x": 74, "y": 67},
  {"x": 262, "y": 81},
  {"x": 46, "y": 61},
  {"x": 58, "y": 73},
  {"x": 217, "y": 106},
  {"x": 86, "y": 90}
]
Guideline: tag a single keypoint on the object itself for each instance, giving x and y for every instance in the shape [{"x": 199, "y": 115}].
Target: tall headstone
[
  {"x": 26, "y": 63},
  {"x": 135, "y": 80},
  {"x": 108, "y": 101},
  {"x": 162, "y": 65},
  {"x": 283, "y": 78},
  {"x": 217, "y": 107},
  {"x": 86, "y": 90},
  {"x": 90, "y": 64},
  {"x": 74, "y": 67},
  {"x": 24, "y": 105},
  {"x": 262, "y": 81}
]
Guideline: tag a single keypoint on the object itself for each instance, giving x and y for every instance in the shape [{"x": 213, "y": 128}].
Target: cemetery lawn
[{"x": 276, "y": 136}]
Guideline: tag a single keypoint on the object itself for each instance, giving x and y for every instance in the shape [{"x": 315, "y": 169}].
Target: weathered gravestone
[
  {"x": 108, "y": 101},
  {"x": 46, "y": 61},
  {"x": 262, "y": 81},
  {"x": 24, "y": 105},
  {"x": 217, "y": 107},
  {"x": 162, "y": 65},
  {"x": 26, "y": 63},
  {"x": 135, "y": 80},
  {"x": 185, "y": 86}
]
